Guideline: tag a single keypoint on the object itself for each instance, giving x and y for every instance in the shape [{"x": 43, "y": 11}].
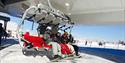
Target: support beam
[
  {"x": 4, "y": 18},
  {"x": 7, "y": 2}
]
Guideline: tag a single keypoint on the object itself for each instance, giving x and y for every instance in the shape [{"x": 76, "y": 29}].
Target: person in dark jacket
[
  {"x": 71, "y": 40},
  {"x": 2, "y": 32},
  {"x": 42, "y": 27}
]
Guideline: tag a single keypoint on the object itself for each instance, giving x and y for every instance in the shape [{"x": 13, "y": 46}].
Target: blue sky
[{"x": 104, "y": 32}]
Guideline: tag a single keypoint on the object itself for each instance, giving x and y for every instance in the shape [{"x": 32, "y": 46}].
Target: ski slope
[
  {"x": 13, "y": 54},
  {"x": 106, "y": 45}
]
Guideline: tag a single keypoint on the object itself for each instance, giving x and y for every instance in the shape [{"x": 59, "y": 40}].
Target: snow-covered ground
[
  {"x": 106, "y": 45},
  {"x": 13, "y": 54}
]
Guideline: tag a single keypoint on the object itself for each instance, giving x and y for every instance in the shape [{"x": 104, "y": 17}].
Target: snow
[
  {"x": 13, "y": 54},
  {"x": 107, "y": 45}
]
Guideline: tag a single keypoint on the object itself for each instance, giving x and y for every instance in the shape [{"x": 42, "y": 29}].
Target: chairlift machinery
[{"x": 48, "y": 16}]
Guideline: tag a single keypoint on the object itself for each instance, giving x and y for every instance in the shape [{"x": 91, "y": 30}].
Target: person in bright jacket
[
  {"x": 36, "y": 41},
  {"x": 66, "y": 48}
]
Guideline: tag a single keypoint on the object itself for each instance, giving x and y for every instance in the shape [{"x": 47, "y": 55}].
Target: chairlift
[{"x": 31, "y": 49}]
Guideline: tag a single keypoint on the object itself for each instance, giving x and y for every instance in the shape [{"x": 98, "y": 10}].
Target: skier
[
  {"x": 56, "y": 48},
  {"x": 42, "y": 27},
  {"x": 66, "y": 48},
  {"x": 37, "y": 42},
  {"x": 2, "y": 32},
  {"x": 75, "y": 47}
]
